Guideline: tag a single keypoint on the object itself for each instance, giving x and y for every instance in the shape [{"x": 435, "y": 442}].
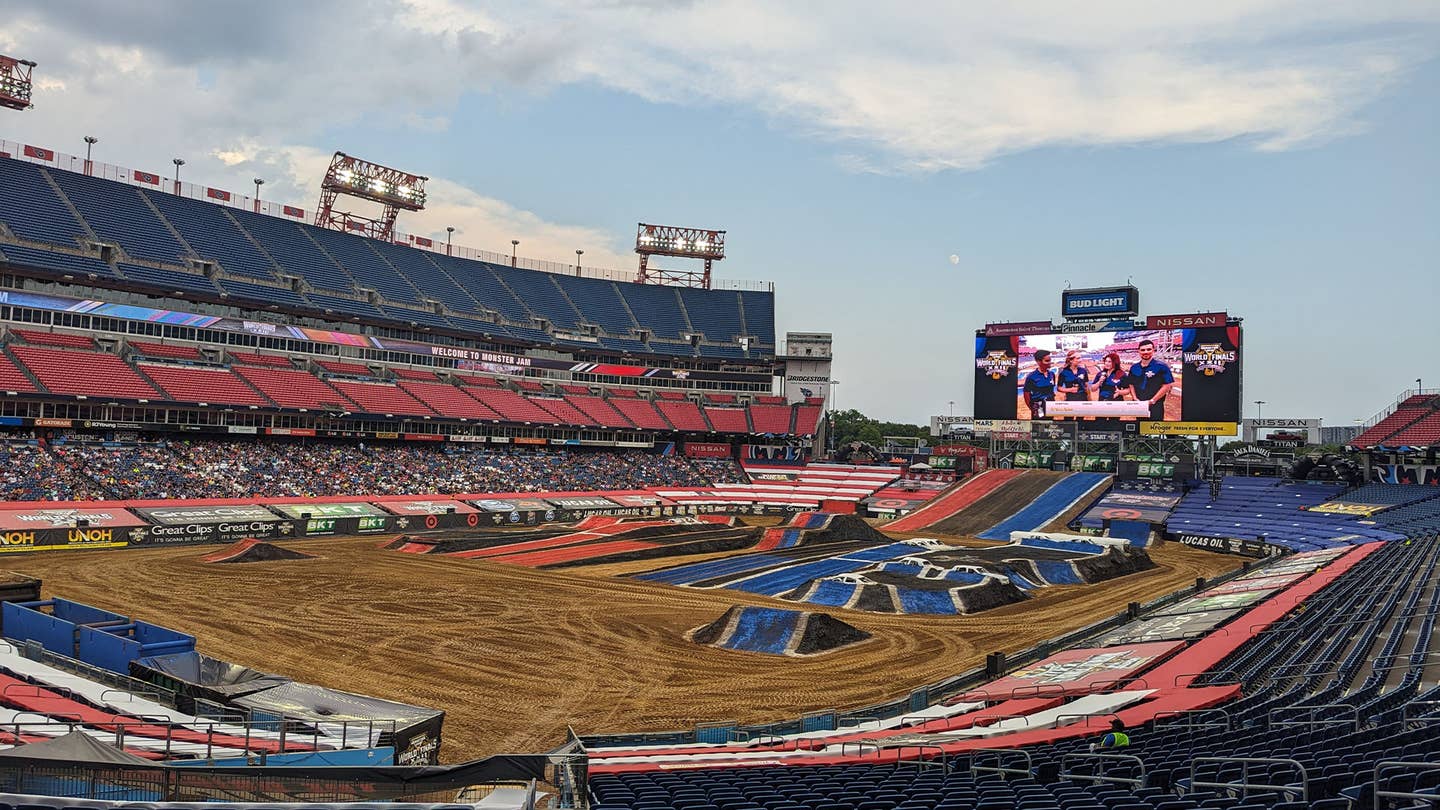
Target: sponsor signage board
[
  {"x": 1168, "y": 628},
  {"x": 1191, "y": 321},
  {"x": 1224, "y": 601},
  {"x": 67, "y": 518},
  {"x": 707, "y": 450},
  {"x": 180, "y": 515},
  {"x": 365, "y": 524},
  {"x": 1151, "y": 428},
  {"x": 428, "y": 507},
  {"x": 583, "y": 502},
  {"x": 1098, "y": 302},
  {"x": 327, "y": 510},
  {"x": 511, "y": 504},
  {"x": 19, "y": 540},
  {"x": 217, "y": 531},
  {"x": 1227, "y": 545},
  {"x": 1361, "y": 509},
  {"x": 1009, "y": 329},
  {"x": 1264, "y": 583},
  {"x": 1076, "y": 672}
]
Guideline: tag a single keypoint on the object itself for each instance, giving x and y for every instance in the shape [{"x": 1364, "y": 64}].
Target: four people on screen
[{"x": 1148, "y": 380}]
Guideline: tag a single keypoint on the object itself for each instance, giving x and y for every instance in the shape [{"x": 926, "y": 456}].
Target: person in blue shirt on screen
[
  {"x": 1039, "y": 385},
  {"x": 1151, "y": 380},
  {"x": 1109, "y": 382},
  {"x": 1073, "y": 381}
]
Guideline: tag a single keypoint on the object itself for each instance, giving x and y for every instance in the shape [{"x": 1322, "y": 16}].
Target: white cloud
[{"x": 910, "y": 87}]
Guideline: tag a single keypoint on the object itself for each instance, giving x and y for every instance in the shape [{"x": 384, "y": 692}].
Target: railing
[
  {"x": 1313, "y": 720},
  {"x": 1001, "y": 754},
  {"x": 1099, "y": 761},
  {"x": 154, "y": 181},
  {"x": 1380, "y": 793},
  {"x": 1245, "y": 785}
]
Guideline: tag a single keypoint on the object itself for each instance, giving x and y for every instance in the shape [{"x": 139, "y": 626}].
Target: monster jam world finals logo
[
  {"x": 1209, "y": 359},
  {"x": 996, "y": 363}
]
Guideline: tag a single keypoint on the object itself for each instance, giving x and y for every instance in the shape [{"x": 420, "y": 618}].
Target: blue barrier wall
[
  {"x": 92, "y": 635},
  {"x": 25, "y": 623},
  {"x": 358, "y": 756}
]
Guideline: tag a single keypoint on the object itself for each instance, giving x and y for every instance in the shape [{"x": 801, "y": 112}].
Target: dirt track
[
  {"x": 1011, "y": 497},
  {"x": 514, "y": 654}
]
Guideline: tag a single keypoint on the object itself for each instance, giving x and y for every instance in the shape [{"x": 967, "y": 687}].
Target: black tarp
[
  {"x": 73, "y": 747},
  {"x": 192, "y": 675},
  {"x": 416, "y": 729}
]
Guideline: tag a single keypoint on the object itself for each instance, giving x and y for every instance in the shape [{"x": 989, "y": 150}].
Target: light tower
[
  {"x": 15, "y": 82},
  {"x": 685, "y": 243},
  {"x": 353, "y": 177}
]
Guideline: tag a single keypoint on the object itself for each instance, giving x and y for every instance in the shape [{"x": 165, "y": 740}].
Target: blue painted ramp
[
  {"x": 764, "y": 630},
  {"x": 699, "y": 572},
  {"x": 914, "y": 600},
  {"x": 1051, "y": 504},
  {"x": 1136, "y": 532},
  {"x": 834, "y": 594},
  {"x": 1059, "y": 572}
]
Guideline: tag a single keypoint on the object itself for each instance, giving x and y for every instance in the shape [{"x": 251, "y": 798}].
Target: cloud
[{"x": 909, "y": 87}]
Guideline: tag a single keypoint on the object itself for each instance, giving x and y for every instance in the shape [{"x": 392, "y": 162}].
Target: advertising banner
[
  {"x": 1187, "y": 321},
  {"x": 1141, "y": 506},
  {"x": 707, "y": 450},
  {"x": 15, "y": 540},
  {"x": 1076, "y": 672},
  {"x": 582, "y": 503},
  {"x": 1227, "y": 545},
  {"x": 1225, "y": 601},
  {"x": 327, "y": 510},
  {"x": 222, "y": 531},
  {"x": 1168, "y": 628},
  {"x": 1267, "y": 583},
  {"x": 1022, "y": 328},
  {"x": 180, "y": 515},
  {"x": 1094, "y": 303},
  {"x": 1361, "y": 509},
  {"x": 512, "y": 504},
  {"x": 367, "y": 524},
  {"x": 67, "y": 518}
]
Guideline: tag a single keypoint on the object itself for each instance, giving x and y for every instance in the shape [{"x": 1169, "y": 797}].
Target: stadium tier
[
  {"x": 1414, "y": 422},
  {"x": 58, "y": 225}
]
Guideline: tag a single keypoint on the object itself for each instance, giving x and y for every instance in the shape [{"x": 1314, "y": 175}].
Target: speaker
[{"x": 82, "y": 523}]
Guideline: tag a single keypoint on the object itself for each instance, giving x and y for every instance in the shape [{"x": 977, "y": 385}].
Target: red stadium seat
[
  {"x": 292, "y": 388},
  {"x": 206, "y": 384},
  {"x": 89, "y": 374}
]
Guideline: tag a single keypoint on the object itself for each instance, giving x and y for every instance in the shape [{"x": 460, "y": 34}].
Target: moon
[{"x": 954, "y": 259}]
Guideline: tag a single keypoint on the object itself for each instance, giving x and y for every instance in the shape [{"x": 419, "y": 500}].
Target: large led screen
[{"x": 1190, "y": 375}]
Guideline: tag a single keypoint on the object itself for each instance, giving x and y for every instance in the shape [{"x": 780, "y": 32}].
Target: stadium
[{"x": 298, "y": 509}]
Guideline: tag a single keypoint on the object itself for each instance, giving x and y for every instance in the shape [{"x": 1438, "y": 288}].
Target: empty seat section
[
  {"x": 213, "y": 235},
  {"x": 364, "y": 264},
  {"x": 759, "y": 310},
  {"x": 541, "y": 295},
  {"x": 415, "y": 374},
  {"x": 599, "y": 303},
  {"x": 291, "y": 388},
  {"x": 641, "y": 412},
  {"x": 657, "y": 308},
  {"x": 58, "y": 262},
  {"x": 165, "y": 350},
  {"x": 683, "y": 414},
  {"x": 170, "y": 280},
  {"x": 377, "y": 397},
  {"x": 253, "y": 359},
  {"x": 1407, "y": 413},
  {"x": 772, "y": 419},
  {"x": 529, "y": 385},
  {"x": 38, "y": 338},
  {"x": 343, "y": 367},
  {"x": 807, "y": 419},
  {"x": 713, "y": 313},
  {"x": 477, "y": 279},
  {"x": 1421, "y": 434},
  {"x": 216, "y": 386},
  {"x": 601, "y": 412},
  {"x": 511, "y": 406},
  {"x": 425, "y": 276},
  {"x": 295, "y": 252},
  {"x": 481, "y": 382},
  {"x": 448, "y": 400},
  {"x": 86, "y": 373},
  {"x": 263, "y": 293},
  {"x": 12, "y": 378},
  {"x": 117, "y": 213},
  {"x": 728, "y": 420},
  {"x": 564, "y": 411},
  {"x": 32, "y": 209}
]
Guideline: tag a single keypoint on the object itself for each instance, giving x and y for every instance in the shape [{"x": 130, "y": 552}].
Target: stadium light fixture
[
  {"x": 514, "y": 246},
  {"x": 15, "y": 84},
  {"x": 687, "y": 243},
  {"x": 90, "y": 141},
  {"x": 449, "y": 233},
  {"x": 353, "y": 177},
  {"x": 178, "y": 163},
  {"x": 578, "y": 254}
]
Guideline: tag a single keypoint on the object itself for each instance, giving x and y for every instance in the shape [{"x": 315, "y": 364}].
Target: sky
[{"x": 1274, "y": 159}]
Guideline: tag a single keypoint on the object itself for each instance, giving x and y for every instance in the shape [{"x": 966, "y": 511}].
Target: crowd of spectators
[{"x": 74, "y": 469}]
